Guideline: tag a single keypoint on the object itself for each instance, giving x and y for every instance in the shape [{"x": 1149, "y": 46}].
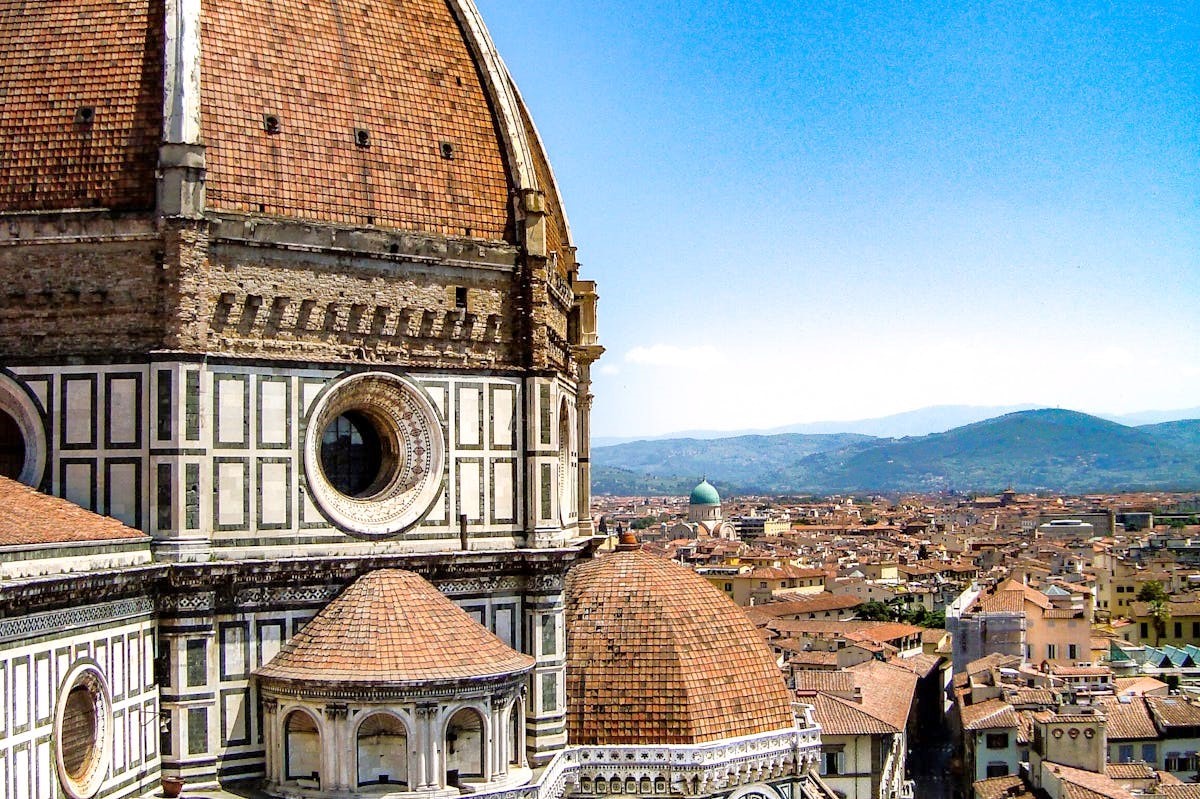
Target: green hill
[
  {"x": 1055, "y": 450},
  {"x": 745, "y": 463},
  {"x": 1184, "y": 433}
]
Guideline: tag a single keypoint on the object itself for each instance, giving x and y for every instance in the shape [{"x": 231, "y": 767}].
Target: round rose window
[
  {"x": 374, "y": 454},
  {"x": 83, "y": 731}
]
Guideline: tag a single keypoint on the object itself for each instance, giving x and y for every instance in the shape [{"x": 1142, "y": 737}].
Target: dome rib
[
  {"x": 392, "y": 627},
  {"x": 656, "y": 655}
]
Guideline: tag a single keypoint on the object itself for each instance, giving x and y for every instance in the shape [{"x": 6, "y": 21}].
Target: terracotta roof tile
[
  {"x": 655, "y": 654},
  {"x": 991, "y": 714},
  {"x": 400, "y": 70},
  {"x": 29, "y": 517},
  {"x": 1130, "y": 771},
  {"x": 839, "y": 716},
  {"x": 1081, "y": 784},
  {"x": 1005, "y": 787},
  {"x": 392, "y": 627},
  {"x": 50, "y": 156},
  {"x": 1174, "y": 711}
]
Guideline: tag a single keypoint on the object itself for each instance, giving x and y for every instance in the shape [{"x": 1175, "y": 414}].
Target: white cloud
[
  {"x": 672, "y": 355},
  {"x": 608, "y": 369}
]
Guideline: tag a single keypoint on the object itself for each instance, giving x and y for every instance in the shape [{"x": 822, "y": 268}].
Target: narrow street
[{"x": 929, "y": 769}]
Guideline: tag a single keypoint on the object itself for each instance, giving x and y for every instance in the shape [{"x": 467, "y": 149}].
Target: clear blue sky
[{"x": 799, "y": 211}]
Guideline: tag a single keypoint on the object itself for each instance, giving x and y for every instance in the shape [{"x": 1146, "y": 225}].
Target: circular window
[
  {"x": 22, "y": 435},
  {"x": 374, "y": 454},
  {"x": 83, "y": 731}
]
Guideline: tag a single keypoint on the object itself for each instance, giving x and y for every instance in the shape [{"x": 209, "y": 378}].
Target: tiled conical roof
[
  {"x": 656, "y": 655},
  {"x": 392, "y": 627}
]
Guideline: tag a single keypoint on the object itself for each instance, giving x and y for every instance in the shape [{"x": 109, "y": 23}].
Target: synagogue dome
[
  {"x": 704, "y": 494},
  {"x": 382, "y": 113},
  {"x": 656, "y": 655}
]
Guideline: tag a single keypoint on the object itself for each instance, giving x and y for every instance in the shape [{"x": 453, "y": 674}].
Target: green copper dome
[{"x": 704, "y": 494}]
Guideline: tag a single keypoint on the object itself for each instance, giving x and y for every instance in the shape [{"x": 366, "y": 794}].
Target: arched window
[
  {"x": 301, "y": 748},
  {"x": 516, "y": 720},
  {"x": 464, "y": 746},
  {"x": 567, "y": 464},
  {"x": 382, "y": 749}
]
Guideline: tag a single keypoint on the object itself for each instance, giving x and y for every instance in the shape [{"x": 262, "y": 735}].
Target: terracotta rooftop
[
  {"x": 1174, "y": 711},
  {"x": 391, "y": 627},
  {"x": 988, "y": 715},
  {"x": 401, "y": 71},
  {"x": 836, "y": 682},
  {"x": 803, "y": 606},
  {"x": 1081, "y": 784},
  {"x": 887, "y": 691},
  {"x": 52, "y": 156},
  {"x": 656, "y": 655},
  {"x": 1128, "y": 719},
  {"x": 1010, "y": 596},
  {"x": 30, "y": 517},
  {"x": 1130, "y": 771},
  {"x": 839, "y": 716},
  {"x": 1010, "y": 785}
]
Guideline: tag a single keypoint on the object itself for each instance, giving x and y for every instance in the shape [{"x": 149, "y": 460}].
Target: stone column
[
  {"x": 335, "y": 754},
  {"x": 428, "y": 760},
  {"x": 272, "y": 737},
  {"x": 586, "y": 350}
]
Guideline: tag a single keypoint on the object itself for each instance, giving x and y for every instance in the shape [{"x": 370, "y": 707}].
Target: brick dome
[
  {"x": 656, "y": 655},
  {"x": 392, "y": 628},
  {"x": 285, "y": 90}
]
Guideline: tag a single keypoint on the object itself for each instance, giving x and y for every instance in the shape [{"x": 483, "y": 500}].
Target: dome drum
[{"x": 429, "y": 745}]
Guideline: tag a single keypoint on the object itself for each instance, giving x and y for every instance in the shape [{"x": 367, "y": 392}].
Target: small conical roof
[{"x": 392, "y": 627}]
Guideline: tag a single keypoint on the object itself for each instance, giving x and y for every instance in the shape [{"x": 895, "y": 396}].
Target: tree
[
  {"x": 1158, "y": 606},
  {"x": 1152, "y": 591},
  {"x": 874, "y": 611}
]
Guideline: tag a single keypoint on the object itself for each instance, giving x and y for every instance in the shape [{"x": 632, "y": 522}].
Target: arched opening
[
  {"x": 301, "y": 748},
  {"x": 382, "y": 749},
  {"x": 516, "y": 721},
  {"x": 464, "y": 746},
  {"x": 12, "y": 447},
  {"x": 566, "y": 472}
]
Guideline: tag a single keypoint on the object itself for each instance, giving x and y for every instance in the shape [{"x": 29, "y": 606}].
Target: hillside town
[{"x": 947, "y": 644}]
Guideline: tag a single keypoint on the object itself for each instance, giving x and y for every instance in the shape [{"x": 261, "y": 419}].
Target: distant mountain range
[
  {"x": 919, "y": 422},
  {"x": 1029, "y": 450}
]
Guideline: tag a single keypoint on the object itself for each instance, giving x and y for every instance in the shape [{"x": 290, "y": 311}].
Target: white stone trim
[
  {"x": 181, "y": 72},
  {"x": 537, "y": 142},
  {"x": 499, "y": 85}
]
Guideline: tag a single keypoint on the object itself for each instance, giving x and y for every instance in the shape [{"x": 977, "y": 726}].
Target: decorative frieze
[{"x": 63, "y": 621}]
